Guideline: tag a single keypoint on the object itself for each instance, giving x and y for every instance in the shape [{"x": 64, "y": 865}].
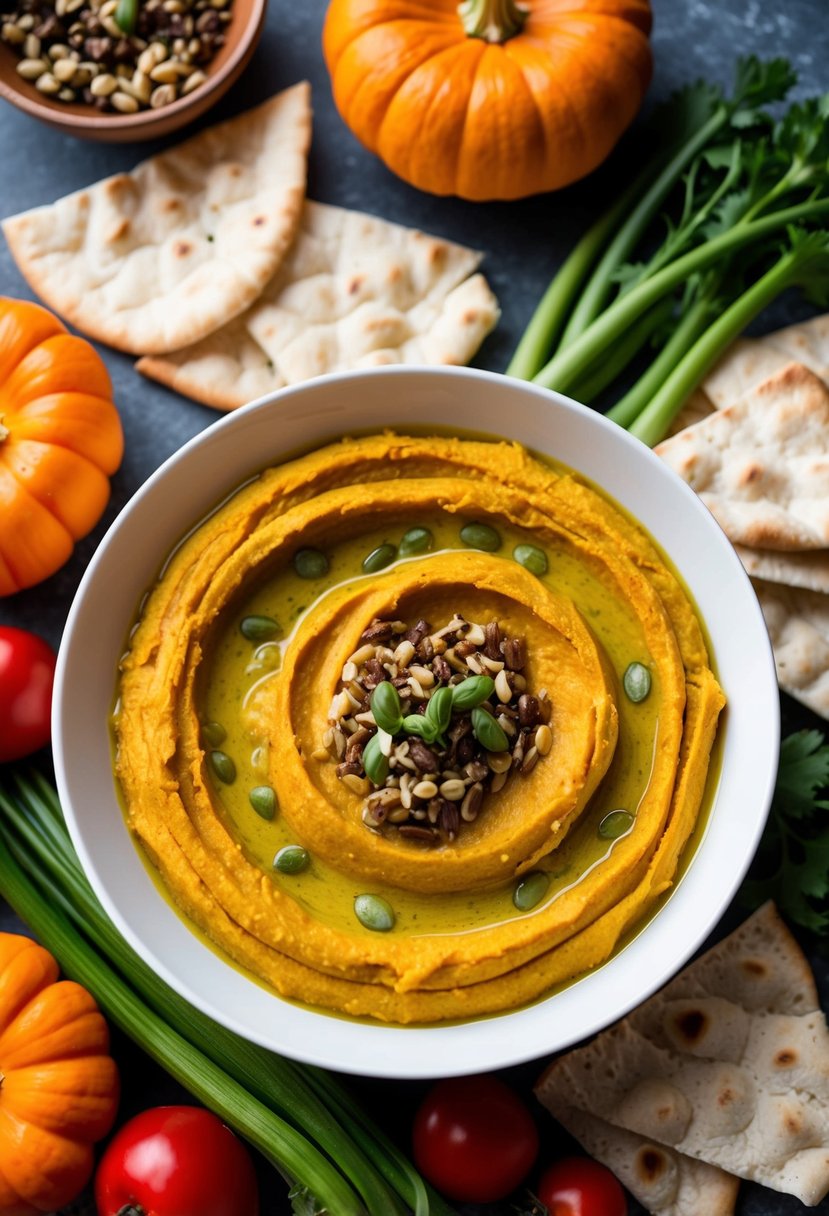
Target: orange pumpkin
[
  {"x": 58, "y": 1085},
  {"x": 60, "y": 440},
  {"x": 489, "y": 99}
]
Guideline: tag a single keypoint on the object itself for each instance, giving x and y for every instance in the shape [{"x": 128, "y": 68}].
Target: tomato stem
[
  {"x": 129, "y": 1209},
  {"x": 492, "y": 20}
]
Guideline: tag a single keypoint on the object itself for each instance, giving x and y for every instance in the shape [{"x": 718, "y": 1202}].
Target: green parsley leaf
[{"x": 792, "y": 865}]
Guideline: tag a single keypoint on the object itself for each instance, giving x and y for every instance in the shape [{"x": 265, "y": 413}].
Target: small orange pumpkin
[
  {"x": 491, "y": 99},
  {"x": 58, "y": 1084},
  {"x": 60, "y": 441}
]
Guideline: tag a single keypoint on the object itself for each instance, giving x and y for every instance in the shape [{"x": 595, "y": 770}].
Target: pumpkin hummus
[{"x": 218, "y": 719}]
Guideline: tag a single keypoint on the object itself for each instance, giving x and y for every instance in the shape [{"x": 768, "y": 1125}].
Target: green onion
[{"x": 340, "y": 1152}]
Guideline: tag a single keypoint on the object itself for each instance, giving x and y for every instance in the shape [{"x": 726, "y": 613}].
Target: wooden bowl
[{"x": 241, "y": 36}]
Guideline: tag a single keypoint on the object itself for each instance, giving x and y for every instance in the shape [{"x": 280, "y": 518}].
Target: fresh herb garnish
[
  {"x": 792, "y": 865},
  {"x": 744, "y": 202}
]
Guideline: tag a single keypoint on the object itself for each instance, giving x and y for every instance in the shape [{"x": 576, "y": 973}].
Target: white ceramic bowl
[{"x": 265, "y": 432}]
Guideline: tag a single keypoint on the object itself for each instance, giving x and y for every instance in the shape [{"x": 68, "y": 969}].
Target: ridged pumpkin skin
[
  {"x": 58, "y": 1085},
  {"x": 454, "y": 114},
  {"x": 60, "y": 441}
]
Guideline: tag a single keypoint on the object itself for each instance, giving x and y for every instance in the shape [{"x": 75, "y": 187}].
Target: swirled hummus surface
[{"x": 466, "y": 860}]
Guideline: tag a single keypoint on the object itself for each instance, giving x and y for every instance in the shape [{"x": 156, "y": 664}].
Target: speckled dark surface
[{"x": 523, "y": 242}]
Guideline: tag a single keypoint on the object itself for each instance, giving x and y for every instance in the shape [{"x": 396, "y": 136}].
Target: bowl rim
[
  {"x": 72, "y": 119},
  {"x": 654, "y": 952}
]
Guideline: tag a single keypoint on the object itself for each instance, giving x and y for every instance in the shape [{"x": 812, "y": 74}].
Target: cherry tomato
[
  {"x": 474, "y": 1139},
  {"x": 580, "y": 1186},
  {"x": 176, "y": 1161},
  {"x": 27, "y": 670}
]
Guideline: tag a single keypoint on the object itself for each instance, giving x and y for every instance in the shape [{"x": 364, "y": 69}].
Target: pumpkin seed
[
  {"x": 263, "y": 800},
  {"x": 471, "y": 692},
  {"x": 416, "y": 540},
  {"x": 636, "y": 682},
  {"x": 615, "y": 824},
  {"x": 481, "y": 536},
  {"x": 385, "y": 705},
  {"x": 530, "y": 890},
  {"x": 258, "y": 628},
  {"x": 376, "y": 765},
  {"x": 379, "y": 558},
  {"x": 310, "y": 563},
  {"x": 292, "y": 859},
  {"x": 223, "y": 766},
  {"x": 487, "y": 731},
  {"x": 374, "y": 912},
  {"x": 531, "y": 558},
  {"x": 213, "y": 733}
]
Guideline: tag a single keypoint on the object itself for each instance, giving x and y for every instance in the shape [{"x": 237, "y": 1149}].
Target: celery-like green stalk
[
  {"x": 290, "y": 1152},
  {"x": 809, "y": 258}
]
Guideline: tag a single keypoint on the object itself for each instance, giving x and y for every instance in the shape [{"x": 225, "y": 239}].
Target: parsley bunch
[{"x": 792, "y": 865}]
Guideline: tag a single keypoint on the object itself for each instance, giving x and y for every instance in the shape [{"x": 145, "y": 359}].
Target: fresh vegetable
[
  {"x": 492, "y": 98},
  {"x": 27, "y": 671},
  {"x": 60, "y": 442},
  {"x": 474, "y": 1139},
  {"x": 792, "y": 865},
  {"x": 59, "y": 1085},
  {"x": 302, "y": 1119},
  {"x": 580, "y": 1186},
  {"x": 747, "y": 217},
  {"x": 176, "y": 1161}
]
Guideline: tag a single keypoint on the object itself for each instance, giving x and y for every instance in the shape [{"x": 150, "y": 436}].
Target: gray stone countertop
[{"x": 523, "y": 243}]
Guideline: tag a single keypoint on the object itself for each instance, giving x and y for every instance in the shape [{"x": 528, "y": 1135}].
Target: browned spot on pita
[
  {"x": 691, "y": 1025},
  {"x": 395, "y": 273},
  {"x": 785, "y": 1058},
  {"x": 355, "y": 283},
  {"x": 181, "y": 249},
  {"x": 751, "y": 472},
  {"x": 117, "y": 185},
  {"x": 437, "y": 254},
  {"x": 650, "y": 1163},
  {"x": 118, "y": 230},
  {"x": 793, "y": 1123},
  {"x": 259, "y": 220},
  {"x": 726, "y": 1096},
  {"x": 470, "y": 317},
  {"x": 169, "y": 204},
  {"x": 754, "y": 967}
]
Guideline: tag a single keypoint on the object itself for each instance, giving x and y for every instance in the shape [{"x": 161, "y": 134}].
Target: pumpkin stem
[{"x": 492, "y": 20}]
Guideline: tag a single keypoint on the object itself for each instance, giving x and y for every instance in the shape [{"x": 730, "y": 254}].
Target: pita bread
[
  {"x": 751, "y": 360},
  {"x": 354, "y": 291},
  {"x": 798, "y": 625},
  {"x": 153, "y": 260},
  {"x": 758, "y": 968},
  {"x": 809, "y": 569},
  {"x": 761, "y": 465}
]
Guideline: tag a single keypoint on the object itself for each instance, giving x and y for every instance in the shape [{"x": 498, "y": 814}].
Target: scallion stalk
[{"x": 310, "y": 1100}]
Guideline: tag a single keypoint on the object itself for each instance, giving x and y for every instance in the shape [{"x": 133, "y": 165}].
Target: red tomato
[
  {"x": 176, "y": 1161},
  {"x": 580, "y": 1186},
  {"x": 474, "y": 1139},
  {"x": 27, "y": 670}
]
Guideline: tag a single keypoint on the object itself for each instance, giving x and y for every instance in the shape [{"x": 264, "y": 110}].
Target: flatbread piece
[
  {"x": 761, "y": 465},
  {"x": 798, "y": 625},
  {"x": 354, "y": 291},
  {"x": 757, "y": 970},
  {"x": 155, "y": 259}
]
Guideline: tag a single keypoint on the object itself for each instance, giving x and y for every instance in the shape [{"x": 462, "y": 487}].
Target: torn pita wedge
[
  {"x": 798, "y": 625},
  {"x": 809, "y": 570},
  {"x": 760, "y": 967},
  {"x": 354, "y": 291},
  {"x": 751, "y": 360},
  {"x": 153, "y": 260},
  {"x": 728, "y": 1064},
  {"x": 761, "y": 466}
]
